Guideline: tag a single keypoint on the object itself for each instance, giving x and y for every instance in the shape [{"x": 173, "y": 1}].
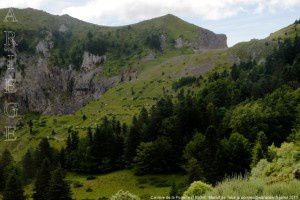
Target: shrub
[
  {"x": 155, "y": 157},
  {"x": 124, "y": 195},
  {"x": 197, "y": 188},
  {"x": 77, "y": 184},
  {"x": 189, "y": 80},
  {"x": 238, "y": 186},
  {"x": 283, "y": 163},
  {"x": 90, "y": 178},
  {"x": 84, "y": 117},
  {"x": 254, "y": 187}
]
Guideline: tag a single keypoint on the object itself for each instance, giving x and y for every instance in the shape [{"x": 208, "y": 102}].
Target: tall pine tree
[
  {"x": 5, "y": 161},
  {"x": 13, "y": 189},
  {"x": 260, "y": 150},
  {"x": 28, "y": 166},
  {"x": 42, "y": 181},
  {"x": 58, "y": 187}
]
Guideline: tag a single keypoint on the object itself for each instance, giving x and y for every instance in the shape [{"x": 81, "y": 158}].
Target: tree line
[
  {"x": 222, "y": 130},
  {"x": 41, "y": 167}
]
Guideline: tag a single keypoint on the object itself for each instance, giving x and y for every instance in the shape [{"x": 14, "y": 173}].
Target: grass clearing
[{"x": 108, "y": 184}]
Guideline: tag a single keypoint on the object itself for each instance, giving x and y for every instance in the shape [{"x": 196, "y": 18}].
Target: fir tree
[
  {"x": 6, "y": 158},
  {"x": 58, "y": 187},
  {"x": 5, "y": 161},
  {"x": 43, "y": 151},
  {"x": 260, "y": 150},
  {"x": 132, "y": 140},
  {"x": 42, "y": 181},
  {"x": 174, "y": 193},
  {"x": 13, "y": 189},
  {"x": 28, "y": 166}
]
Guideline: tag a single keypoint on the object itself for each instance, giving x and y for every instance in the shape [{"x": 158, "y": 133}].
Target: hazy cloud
[{"x": 126, "y": 11}]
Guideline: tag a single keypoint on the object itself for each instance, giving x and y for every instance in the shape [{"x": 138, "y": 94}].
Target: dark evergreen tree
[
  {"x": 209, "y": 153},
  {"x": 28, "y": 166},
  {"x": 41, "y": 186},
  {"x": 195, "y": 155},
  {"x": 6, "y": 158},
  {"x": 156, "y": 157},
  {"x": 235, "y": 153},
  {"x": 234, "y": 72},
  {"x": 5, "y": 161},
  {"x": 260, "y": 149},
  {"x": 44, "y": 151},
  {"x": 90, "y": 136},
  {"x": 132, "y": 141},
  {"x": 30, "y": 125},
  {"x": 62, "y": 157},
  {"x": 13, "y": 189},
  {"x": 58, "y": 187},
  {"x": 174, "y": 192}
]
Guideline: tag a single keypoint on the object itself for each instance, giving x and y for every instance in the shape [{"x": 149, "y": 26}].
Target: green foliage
[
  {"x": 174, "y": 192},
  {"x": 41, "y": 186},
  {"x": 44, "y": 151},
  {"x": 155, "y": 157},
  {"x": 210, "y": 159},
  {"x": 96, "y": 45},
  {"x": 6, "y": 162},
  {"x": 194, "y": 153},
  {"x": 196, "y": 190},
  {"x": 248, "y": 119},
  {"x": 260, "y": 149},
  {"x": 234, "y": 155},
  {"x": 274, "y": 115},
  {"x": 28, "y": 166},
  {"x": 282, "y": 166},
  {"x": 124, "y": 195},
  {"x": 76, "y": 54},
  {"x": 254, "y": 187},
  {"x": 106, "y": 185},
  {"x": 132, "y": 140},
  {"x": 153, "y": 41},
  {"x": 99, "y": 151},
  {"x": 13, "y": 189},
  {"x": 184, "y": 81},
  {"x": 58, "y": 187}
]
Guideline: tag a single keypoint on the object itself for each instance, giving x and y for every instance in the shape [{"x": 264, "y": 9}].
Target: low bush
[
  {"x": 77, "y": 184},
  {"x": 124, "y": 195},
  {"x": 254, "y": 187},
  {"x": 196, "y": 189},
  {"x": 90, "y": 178}
]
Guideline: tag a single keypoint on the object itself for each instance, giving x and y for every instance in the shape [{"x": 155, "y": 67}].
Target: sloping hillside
[
  {"x": 65, "y": 63},
  {"x": 154, "y": 79}
]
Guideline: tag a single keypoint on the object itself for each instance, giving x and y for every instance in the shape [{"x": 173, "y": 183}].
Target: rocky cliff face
[
  {"x": 209, "y": 40},
  {"x": 54, "y": 90},
  {"x": 206, "y": 40},
  {"x": 49, "y": 89}
]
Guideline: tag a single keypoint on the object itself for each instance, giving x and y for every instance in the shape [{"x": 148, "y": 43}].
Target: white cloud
[
  {"x": 128, "y": 11},
  {"x": 21, "y": 3}
]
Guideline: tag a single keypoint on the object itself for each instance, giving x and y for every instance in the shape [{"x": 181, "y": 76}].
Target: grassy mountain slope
[
  {"x": 106, "y": 185},
  {"x": 122, "y": 101},
  {"x": 125, "y": 100},
  {"x": 155, "y": 78},
  {"x": 126, "y": 48},
  {"x": 122, "y": 45},
  {"x": 260, "y": 49}
]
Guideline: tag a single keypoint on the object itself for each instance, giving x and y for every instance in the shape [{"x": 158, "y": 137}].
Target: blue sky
[{"x": 240, "y": 20}]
